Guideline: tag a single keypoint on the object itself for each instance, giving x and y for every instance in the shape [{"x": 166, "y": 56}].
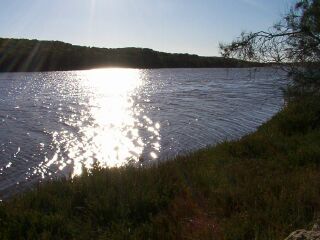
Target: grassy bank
[{"x": 261, "y": 187}]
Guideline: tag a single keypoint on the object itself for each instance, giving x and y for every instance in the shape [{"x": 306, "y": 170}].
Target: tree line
[{"x": 33, "y": 55}]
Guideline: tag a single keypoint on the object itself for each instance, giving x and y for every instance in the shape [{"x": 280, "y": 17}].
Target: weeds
[{"x": 262, "y": 186}]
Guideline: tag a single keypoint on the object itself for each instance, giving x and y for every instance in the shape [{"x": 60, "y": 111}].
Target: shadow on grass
[{"x": 262, "y": 186}]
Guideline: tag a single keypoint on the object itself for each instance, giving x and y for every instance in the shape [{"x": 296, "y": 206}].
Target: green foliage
[
  {"x": 262, "y": 186},
  {"x": 33, "y": 55}
]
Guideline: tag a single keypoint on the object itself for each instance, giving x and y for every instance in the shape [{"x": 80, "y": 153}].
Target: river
[{"x": 54, "y": 123}]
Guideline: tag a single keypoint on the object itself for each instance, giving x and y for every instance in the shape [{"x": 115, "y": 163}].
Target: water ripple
[{"x": 52, "y": 124}]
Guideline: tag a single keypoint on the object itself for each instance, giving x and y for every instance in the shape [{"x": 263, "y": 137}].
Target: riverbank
[{"x": 263, "y": 186}]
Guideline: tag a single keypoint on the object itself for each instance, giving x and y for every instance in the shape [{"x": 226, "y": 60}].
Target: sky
[{"x": 176, "y": 26}]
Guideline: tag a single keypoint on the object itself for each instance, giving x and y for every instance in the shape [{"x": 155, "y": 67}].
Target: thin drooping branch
[
  {"x": 294, "y": 39},
  {"x": 293, "y": 43}
]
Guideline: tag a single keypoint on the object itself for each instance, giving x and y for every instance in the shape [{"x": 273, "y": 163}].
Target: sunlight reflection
[
  {"x": 107, "y": 126},
  {"x": 113, "y": 129}
]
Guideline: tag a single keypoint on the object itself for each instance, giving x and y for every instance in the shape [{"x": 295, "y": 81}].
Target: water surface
[{"x": 53, "y": 123}]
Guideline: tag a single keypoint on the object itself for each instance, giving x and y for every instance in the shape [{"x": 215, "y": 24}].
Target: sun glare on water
[
  {"x": 106, "y": 130},
  {"x": 114, "y": 125}
]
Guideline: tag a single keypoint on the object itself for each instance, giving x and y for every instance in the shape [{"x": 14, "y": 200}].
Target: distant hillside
[{"x": 34, "y": 55}]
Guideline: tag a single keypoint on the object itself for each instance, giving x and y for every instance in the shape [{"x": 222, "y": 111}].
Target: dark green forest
[{"x": 22, "y": 55}]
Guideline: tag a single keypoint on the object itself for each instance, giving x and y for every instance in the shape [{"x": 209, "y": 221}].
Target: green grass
[{"x": 262, "y": 186}]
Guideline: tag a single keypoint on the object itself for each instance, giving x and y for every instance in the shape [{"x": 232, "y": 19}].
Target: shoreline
[
  {"x": 119, "y": 67},
  {"x": 262, "y": 186}
]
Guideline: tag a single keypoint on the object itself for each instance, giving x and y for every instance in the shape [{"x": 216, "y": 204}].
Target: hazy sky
[{"x": 184, "y": 26}]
